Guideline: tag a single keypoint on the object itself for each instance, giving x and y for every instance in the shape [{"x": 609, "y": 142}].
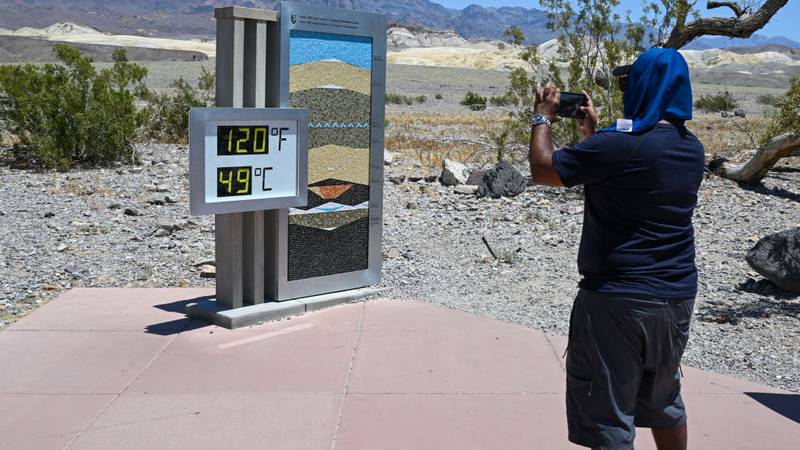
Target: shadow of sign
[
  {"x": 178, "y": 325},
  {"x": 787, "y": 405}
]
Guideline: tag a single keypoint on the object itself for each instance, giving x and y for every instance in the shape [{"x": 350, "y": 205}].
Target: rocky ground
[{"x": 130, "y": 226}]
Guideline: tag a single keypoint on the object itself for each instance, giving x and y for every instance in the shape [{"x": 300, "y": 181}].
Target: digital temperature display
[
  {"x": 247, "y": 159},
  {"x": 232, "y": 181}
]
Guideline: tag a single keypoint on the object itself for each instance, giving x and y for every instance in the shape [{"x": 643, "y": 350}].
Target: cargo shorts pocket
[
  {"x": 680, "y": 323},
  {"x": 582, "y": 427}
]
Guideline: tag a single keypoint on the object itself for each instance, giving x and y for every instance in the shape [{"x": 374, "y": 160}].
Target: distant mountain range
[
  {"x": 756, "y": 40},
  {"x": 194, "y": 18}
]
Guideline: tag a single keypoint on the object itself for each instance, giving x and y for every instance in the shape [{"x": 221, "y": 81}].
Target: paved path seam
[
  {"x": 349, "y": 374},
  {"x": 555, "y": 353},
  {"x": 117, "y": 395}
]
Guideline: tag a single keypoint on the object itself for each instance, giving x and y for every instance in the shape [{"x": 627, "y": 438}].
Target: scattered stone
[
  {"x": 208, "y": 271},
  {"x": 388, "y": 158},
  {"x": 777, "y": 258},
  {"x": 465, "y": 189},
  {"x": 204, "y": 262},
  {"x": 170, "y": 199},
  {"x": 415, "y": 178},
  {"x": 476, "y": 176},
  {"x": 74, "y": 271},
  {"x": 156, "y": 201},
  {"x": 49, "y": 214},
  {"x": 166, "y": 224},
  {"x": 397, "y": 179},
  {"x": 162, "y": 188},
  {"x": 115, "y": 206},
  {"x": 453, "y": 173},
  {"x": 431, "y": 178},
  {"x": 740, "y": 113},
  {"x": 132, "y": 212},
  {"x": 504, "y": 180},
  {"x": 162, "y": 233},
  {"x": 411, "y": 205}
]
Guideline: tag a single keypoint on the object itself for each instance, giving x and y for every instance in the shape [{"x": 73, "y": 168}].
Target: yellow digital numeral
[
  {"x": 245, "y": 181},
  {"x": 230, "y": 139},
  {"x": 263, "y": 142},
  {"x": 228, "y": 181},
  {"x": 239, "y": 148}
]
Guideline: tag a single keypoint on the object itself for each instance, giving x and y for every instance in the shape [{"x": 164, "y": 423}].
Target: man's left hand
[{"x": 547, "y": 101}]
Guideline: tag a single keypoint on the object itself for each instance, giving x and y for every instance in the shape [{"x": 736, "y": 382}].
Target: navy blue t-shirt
[{"x": 641, "y": 191}]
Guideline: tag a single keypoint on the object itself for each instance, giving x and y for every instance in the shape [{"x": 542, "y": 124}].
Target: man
[{"x": 630, "y": 320}]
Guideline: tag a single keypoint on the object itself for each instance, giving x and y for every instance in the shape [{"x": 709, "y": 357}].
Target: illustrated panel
[{"x": 331, "y": 76}]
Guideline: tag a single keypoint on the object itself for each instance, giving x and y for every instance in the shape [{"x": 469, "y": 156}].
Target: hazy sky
[{"x": 782, "y": 24}]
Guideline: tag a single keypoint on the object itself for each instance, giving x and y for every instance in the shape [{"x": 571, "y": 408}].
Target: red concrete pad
[
  {"x": 463, "y": 422},
  {"x": 229, "y": 421},
  {"x": 74, "y": 362},
  {"x": 312, "y": 353},
  {"x": 467, "y": 354},
  {"x": 37, "y": 422},
  {"x": 395, "y": 315},
  {"x": 114, "y": 310},
  {"x": 696, "y": 381}
]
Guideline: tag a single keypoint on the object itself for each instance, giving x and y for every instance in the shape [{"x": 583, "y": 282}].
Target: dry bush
[
  {"x": 731, "y": 138},
  {"x": 431, "y": 138}
]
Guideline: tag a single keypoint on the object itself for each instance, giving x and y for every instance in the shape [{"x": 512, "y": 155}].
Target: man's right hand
[{"x": 588, "y": 125}]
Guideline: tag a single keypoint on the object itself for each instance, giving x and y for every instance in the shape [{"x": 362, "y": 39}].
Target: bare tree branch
[
  {"x": 742, "y": 27},
  {"x": 754, "y": 170},
  {"x": 732, "y": 5}
]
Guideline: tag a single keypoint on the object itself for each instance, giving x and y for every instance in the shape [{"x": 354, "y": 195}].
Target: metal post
[{"x": 241, "y": 82}]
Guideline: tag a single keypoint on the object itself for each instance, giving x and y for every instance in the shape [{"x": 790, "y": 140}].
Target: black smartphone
[{"x": 570, "y": 105}]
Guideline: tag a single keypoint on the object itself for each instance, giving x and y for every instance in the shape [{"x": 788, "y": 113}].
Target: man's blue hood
[{"x": 658, "y": 89}]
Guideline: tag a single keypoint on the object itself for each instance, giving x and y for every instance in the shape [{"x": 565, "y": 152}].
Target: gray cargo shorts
[{"x": 623, "y": 367}]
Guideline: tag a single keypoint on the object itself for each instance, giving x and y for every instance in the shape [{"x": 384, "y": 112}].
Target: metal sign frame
[
  {"x": 199, "y": 119},
  {"x": 341, "y": 22}
]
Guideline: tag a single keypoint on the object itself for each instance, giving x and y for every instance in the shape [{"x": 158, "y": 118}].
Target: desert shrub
[
  {"x": 716, "y": 102},
  {"x": 438, "y": 96},
  {"x": 398, "y": 99},
  {"x": 506, "y": 99},
  {"x": 474, "y": 101},
  {"x": 770, "y": 100},
  {"x": 69, "y": 113},
  {"x": 167, "y": 114},
  {"x": 787, "y": 117}
]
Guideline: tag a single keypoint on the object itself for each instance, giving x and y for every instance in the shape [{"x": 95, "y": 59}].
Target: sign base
[{"x": 209, "y": 311}]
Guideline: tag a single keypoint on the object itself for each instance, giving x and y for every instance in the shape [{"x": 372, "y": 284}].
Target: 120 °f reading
[{"x": 248, "y": 140}]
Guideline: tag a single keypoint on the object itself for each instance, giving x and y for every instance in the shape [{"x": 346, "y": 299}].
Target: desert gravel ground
[{"x": 129, "y": 226}]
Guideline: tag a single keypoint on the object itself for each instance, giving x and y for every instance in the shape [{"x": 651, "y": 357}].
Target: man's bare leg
[{"x": 671, "y": 438}]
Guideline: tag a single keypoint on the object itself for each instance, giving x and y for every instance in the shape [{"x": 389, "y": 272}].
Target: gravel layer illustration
[
  {"x": 328, "y": 221},
  {"x": 321, "y": 74},
  {"x": 333, "y": 108},
  {"x": 318, "y": 253},
  {"x": 350, "y": 165},
  {"x": 356, "y": 195}
]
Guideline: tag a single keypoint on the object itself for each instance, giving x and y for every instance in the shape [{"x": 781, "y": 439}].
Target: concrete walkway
[{"x": 123, "y": 369}]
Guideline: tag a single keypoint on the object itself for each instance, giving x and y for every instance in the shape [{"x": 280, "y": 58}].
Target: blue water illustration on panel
[{"x": 309, "y": 46}]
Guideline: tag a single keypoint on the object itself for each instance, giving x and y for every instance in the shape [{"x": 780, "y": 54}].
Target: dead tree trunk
[
  {"x": 754, "y": 170},
  {"x": 743, "y": 25}
]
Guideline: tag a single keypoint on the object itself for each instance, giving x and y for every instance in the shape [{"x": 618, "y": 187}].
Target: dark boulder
[
  {"x": 476, "y": 176},
  {"x": 777, "y": 258},
  {"x": 502, "y": 181}
]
